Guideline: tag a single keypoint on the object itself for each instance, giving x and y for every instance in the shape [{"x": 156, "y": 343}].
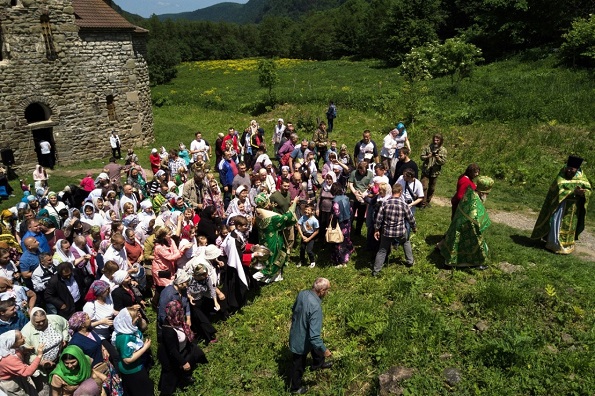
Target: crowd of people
[{"x": 79, "y": 268}]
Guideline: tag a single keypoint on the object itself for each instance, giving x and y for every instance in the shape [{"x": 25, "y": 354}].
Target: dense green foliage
[
  {"x": 379, "y": 29},
  {"x": 454, "y": 58}
]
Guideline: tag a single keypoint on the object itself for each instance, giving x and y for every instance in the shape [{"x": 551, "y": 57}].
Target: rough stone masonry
[{"x": 71, "y": 71}]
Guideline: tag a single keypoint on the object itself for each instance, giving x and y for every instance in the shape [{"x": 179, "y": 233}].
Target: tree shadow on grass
[
  {"x": 525, "y": 241},
  {"x": 434, "y": 257}
]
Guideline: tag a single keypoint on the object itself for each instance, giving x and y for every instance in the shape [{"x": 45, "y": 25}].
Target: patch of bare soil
[{"x": 585, "y": 246}]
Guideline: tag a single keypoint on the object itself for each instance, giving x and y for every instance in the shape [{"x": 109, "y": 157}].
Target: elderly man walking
[{"x": 304, "y": 336}]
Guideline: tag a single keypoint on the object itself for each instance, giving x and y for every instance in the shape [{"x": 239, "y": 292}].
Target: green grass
[
  {"x": 412, "y": 317},
  {"x": 518, "y": 120}
]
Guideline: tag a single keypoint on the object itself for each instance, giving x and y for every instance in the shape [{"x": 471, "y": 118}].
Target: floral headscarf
[
  {"x": 174, "y": 315},
  {"x": 97, "y": 288},
  {"x": 77, "y": 322}
]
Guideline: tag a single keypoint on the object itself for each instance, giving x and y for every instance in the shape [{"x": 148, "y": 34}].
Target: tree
[
  {"x": 267, "y": 75},
  {"x": 454, "y": 58},
  {"x": 162, "y": 58},
  {"x": 274, "y": 36},
  {"x": 457, "y": 59},
  {"x": 578, "y": 48},
  {"x": 408, "y": 24}
]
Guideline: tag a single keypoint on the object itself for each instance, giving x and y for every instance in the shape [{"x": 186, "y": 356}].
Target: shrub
[
  {"x": 454, "y": 58},
  {"x": 579, "y": 47}
]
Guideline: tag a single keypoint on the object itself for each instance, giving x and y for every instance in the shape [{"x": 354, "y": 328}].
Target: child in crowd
[
  {"x": 308, "y": 228},
  {"x": 223, "y": 231}
]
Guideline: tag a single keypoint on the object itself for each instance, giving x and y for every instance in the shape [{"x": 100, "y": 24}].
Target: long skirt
[{"x": 342, "y": 251}]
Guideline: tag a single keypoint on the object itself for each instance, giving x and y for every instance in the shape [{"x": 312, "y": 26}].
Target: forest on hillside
[{"x": 379, "y": 29}]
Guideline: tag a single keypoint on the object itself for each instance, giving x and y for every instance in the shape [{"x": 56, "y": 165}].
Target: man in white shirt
[
  {"x": 128, "y": 196},
  {"x": 114, "y": 141},
  {"x": 45, "y": 149},
  {"x": 413, "y": 191},
  {"x": 117, "y": 253},
  {"x": 200, "y": 149}
]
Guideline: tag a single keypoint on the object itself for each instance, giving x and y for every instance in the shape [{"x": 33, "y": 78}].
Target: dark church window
[
  {"x": 111, "y": 108},
  {"x": 35, "y": 112},
  {"x": 46, "y": 29}
]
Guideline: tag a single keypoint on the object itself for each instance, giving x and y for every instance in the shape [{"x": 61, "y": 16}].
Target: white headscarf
[
  {"x": 64, "y": 257},
  {"x": 123, "y": 323},
  {"x": 119, "y": 276},
  {"x": 7, "y": 341}
]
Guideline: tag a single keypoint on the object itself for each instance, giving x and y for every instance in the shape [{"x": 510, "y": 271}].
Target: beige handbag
[{"x": 333, "y": 234}]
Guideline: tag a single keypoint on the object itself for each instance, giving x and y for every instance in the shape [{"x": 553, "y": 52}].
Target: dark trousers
[
  {"x": 307, "y": 247},
  {"x": 385, "y": 248},
  {"x": 359, "y": 214},
  {"x": 298, "y": 366},
  {"x": 227, "y": 197},
  {"x": 320, "y": 155},
  {"x": 429, "y": 185},
  {"x": 324, "y": 219},
  {"x": 116, "y": 152},
  {"x": 330, "y": 124},
  {"x": 201, "y": 324},
  {"x": 137, "y": 384}
]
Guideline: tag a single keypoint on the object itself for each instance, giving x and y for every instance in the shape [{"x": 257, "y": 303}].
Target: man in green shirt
[{"x": 304, "y": 336}]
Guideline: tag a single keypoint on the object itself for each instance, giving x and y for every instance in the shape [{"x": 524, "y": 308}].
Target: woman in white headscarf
[
  {"x": 234, "y": 208},
  {"x": 63, "y": 253},
  {"x": 40, "y": 177},
  {"x": 15, "y": 374},
  {"x": 90, "y": 216},
  {"x": 134, "y": 352}
]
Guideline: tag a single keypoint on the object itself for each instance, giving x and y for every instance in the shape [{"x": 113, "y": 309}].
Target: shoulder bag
[{"x": 333, "y": 234}]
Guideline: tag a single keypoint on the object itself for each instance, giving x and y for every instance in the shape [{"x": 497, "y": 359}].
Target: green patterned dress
[
  {"x": 271, "y": 235},
  {"x": 464, "y": 245},
  {"x": 562, "y": 216}
]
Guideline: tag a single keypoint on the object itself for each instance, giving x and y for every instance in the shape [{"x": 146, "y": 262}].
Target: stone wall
[{"x": 90, "y": 65}]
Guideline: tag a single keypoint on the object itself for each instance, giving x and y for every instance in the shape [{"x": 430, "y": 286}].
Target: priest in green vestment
[
  {"x": 562, "y": 216},
  {"x": 270, "y": 228},
  {"x": 464, "y": 244}
]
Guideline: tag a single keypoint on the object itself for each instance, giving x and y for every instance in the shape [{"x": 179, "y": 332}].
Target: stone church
[{"x": 71, "y": 72}]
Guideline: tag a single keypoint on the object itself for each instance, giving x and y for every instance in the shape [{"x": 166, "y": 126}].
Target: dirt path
[{"x": 525, "y": 221}]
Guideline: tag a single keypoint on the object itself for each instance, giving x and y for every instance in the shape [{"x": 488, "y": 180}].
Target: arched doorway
[{"x": 36, "y": 115}]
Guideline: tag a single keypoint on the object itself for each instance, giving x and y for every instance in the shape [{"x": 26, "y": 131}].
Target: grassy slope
[{"x": 518, "y": 121}]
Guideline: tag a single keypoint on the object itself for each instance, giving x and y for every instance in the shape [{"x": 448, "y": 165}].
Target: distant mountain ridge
[
  {"x": 254, "y": 10},
  {"x": 222, "y": 12}
]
